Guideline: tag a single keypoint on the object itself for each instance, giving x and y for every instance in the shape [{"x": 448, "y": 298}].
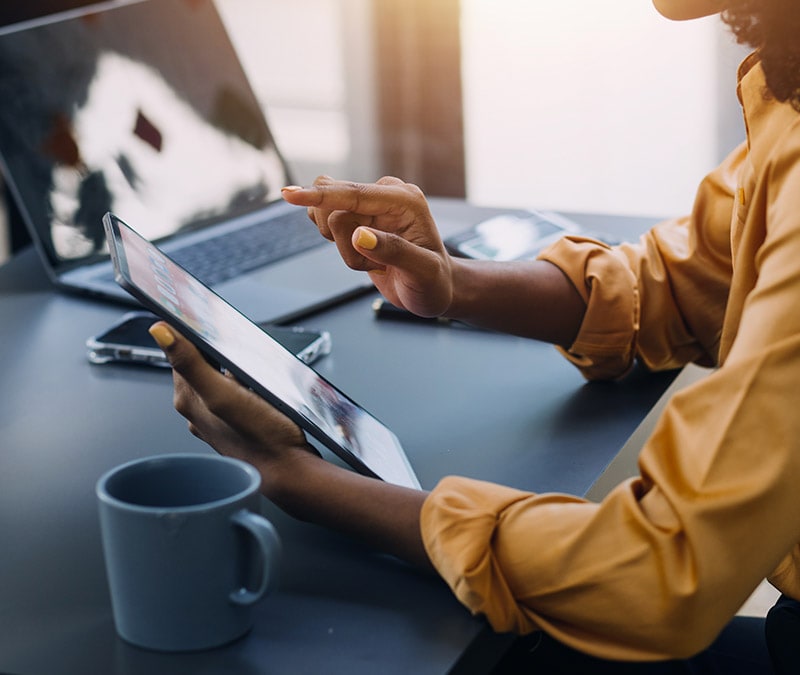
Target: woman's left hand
[
  {"x": 229, "y": 417},
  {"x": 237, "y": 422}
]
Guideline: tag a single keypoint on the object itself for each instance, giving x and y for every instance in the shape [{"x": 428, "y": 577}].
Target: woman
[{"x": 716, "y": 507}]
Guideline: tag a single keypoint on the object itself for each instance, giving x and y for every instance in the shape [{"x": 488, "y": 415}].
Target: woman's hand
[
  {"x": 387, "y": 230},
  {"x": 238, "y": 423},
  {"x": 230, "y": 418}
]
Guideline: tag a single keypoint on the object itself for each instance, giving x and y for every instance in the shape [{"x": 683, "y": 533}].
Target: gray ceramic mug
[{"x": 186, "y": 552}]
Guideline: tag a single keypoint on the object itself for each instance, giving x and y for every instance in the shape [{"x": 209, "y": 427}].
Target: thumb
[
  {"x": 365, "y": 241},
  {"x": 182, "y": 355},
  {"x": 187, "y": 361},
  {"x": 420, "y": 280},
  {"x": 162, "y": 334},
  {"x": 386, "y": 249}
]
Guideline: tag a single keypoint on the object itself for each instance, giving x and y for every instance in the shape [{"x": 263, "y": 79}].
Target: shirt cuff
[
  {"x": 605, "y": 346},
  {"x": 458, "y": 522}
]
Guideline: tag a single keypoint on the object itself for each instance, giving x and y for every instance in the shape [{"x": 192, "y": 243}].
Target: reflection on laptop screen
[{"x": 145, "y": 123}]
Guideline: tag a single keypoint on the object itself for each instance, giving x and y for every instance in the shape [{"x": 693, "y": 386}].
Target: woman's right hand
[{"x": 386, "y": 229}]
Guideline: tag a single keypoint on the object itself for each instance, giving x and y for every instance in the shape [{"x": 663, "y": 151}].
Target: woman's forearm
[
  {"x": 531, "y": 299},
  {"x": 384, "y": 516}
]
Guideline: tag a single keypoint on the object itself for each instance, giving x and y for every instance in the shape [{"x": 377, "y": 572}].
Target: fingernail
[
  {"x": 162, "y": 335},
  {"x": 291, "y": 188},
  {"x": 366, "y": 239}
]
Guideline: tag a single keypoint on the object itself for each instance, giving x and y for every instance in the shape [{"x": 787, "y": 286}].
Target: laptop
[{"x": 142, "y": 107}]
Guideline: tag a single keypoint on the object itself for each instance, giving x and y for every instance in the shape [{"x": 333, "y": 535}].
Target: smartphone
[
  {"x": 127, "y": 341},
  {"x": 517, "y": 236}
]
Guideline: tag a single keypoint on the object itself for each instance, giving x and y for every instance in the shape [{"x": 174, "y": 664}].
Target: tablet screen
[{"x": 256, "y": 359}]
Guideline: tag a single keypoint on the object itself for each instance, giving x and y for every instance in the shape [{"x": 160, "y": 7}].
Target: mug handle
[{"x": 271, "y": 550}]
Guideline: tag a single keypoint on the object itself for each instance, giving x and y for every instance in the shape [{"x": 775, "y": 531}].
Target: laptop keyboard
[{"x": 226, "y": 257}]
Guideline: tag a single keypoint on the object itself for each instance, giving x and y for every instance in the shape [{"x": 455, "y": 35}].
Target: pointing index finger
[{"x": 361, "y": 198}]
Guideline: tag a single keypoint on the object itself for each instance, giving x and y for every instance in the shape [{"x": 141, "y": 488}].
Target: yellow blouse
[{"x": 661, "y": 565}]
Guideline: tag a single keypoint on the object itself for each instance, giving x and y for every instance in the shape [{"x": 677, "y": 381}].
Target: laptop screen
[{"x": 139, "y": 107}]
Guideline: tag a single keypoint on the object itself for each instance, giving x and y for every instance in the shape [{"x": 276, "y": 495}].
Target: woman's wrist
[
  {"x": 294, "y": 481},
  {"x": 462, "y": 298},
  {"x": 309, "y": 488},
  {"x": 533, "y": 299}
]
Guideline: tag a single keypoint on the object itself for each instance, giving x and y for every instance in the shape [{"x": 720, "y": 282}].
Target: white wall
[
  {"x": 574, "y": 104},
  {"x": 309, "y": 63},
  {"x": 590, "y": 106}
]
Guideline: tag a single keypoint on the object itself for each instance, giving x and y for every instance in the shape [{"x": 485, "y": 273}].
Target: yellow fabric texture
[{"x": 657, "y": 568}]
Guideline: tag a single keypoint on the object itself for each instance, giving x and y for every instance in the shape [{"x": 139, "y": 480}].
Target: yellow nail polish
[
  {"x": 162, "y": 335},
  {"x": 366, "y": 239}
]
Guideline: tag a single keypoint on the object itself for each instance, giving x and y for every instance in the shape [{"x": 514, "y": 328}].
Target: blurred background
[{"x": 574, "y": 105}]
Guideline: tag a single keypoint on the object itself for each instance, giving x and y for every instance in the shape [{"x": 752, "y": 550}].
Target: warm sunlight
[{"x": 586, "y": 106}]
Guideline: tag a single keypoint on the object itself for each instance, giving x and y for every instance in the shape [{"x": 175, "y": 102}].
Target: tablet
[{"x": 229, "y": 338}]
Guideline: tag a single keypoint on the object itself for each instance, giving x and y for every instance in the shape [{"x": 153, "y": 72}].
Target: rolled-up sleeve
[
  {"x": 605, "y": 346},
  {"x": 661, "y": 299}
]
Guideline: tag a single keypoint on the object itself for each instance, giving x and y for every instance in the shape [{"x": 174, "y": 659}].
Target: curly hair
[{"x": 773, "y": 28}]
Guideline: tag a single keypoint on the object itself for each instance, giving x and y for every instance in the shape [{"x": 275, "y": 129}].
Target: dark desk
[{"x": 462, "y": 401}]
